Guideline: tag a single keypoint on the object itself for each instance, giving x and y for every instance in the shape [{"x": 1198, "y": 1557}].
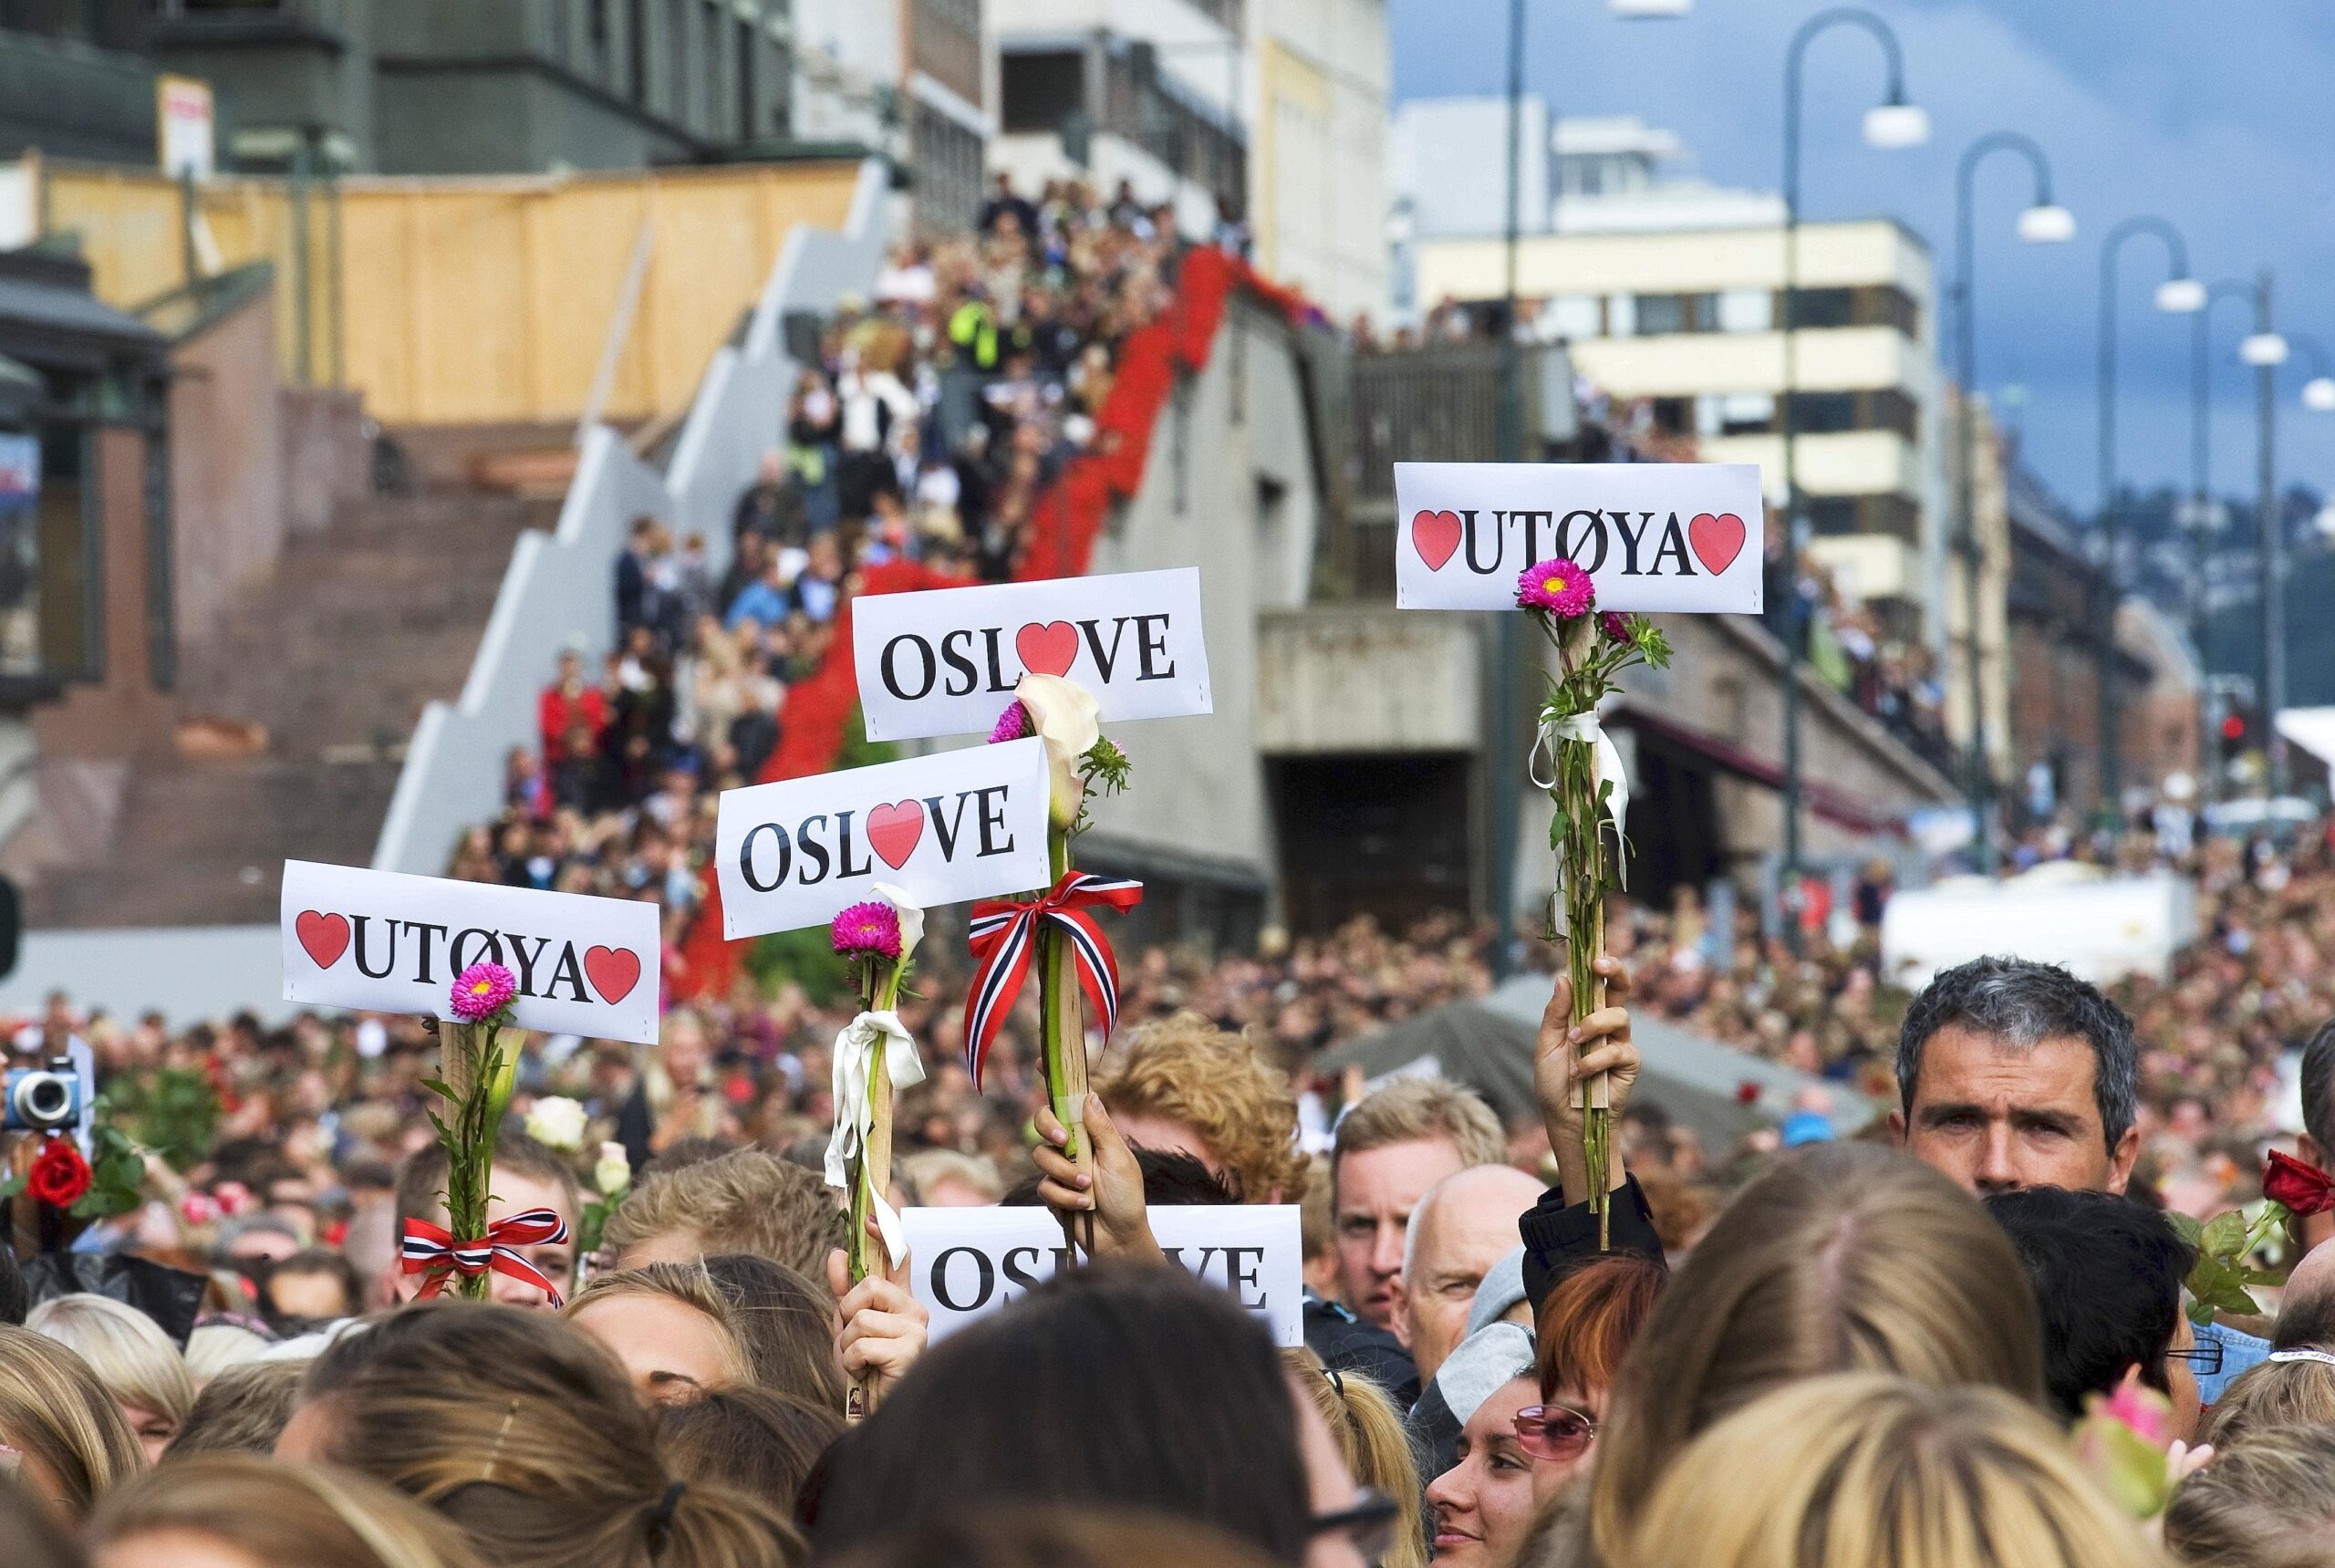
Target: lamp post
[
  {"x": 2266, "y": 351},
  {"x": 1891, "y": 124},
  {"x": 2044, "y": 221},
  {"x": 2178, "y": 293},
  {"x": 2203, "y": 514},
  {"x": 1507, "y": 797}
]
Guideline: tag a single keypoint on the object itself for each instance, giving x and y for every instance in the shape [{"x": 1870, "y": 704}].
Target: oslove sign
[
  {"x": 944, "y": 828},
  {"x": 387, "y": 942},
  {"x": 944, "y": 662},
  {"x": 1651, "y": 535}
]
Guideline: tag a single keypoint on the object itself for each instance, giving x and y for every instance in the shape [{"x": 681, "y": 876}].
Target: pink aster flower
[
  {"x": 1011, "y": 725},
  {"x": 482, "y": 990},
  {"x": 1617, "y": 626},
  {"x": 1558, "y": 587},
  {"x": 872, "y": 928}
]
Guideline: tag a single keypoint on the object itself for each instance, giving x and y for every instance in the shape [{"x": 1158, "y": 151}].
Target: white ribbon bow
[
  {"x": 856, "y": 1109},
  {"x": 1613, "y": 784}
]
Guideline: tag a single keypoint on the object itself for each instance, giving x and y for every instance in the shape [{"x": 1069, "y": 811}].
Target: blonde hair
[
  {"x": 1317, "y": 1220},
  {"x": 128, "y": 1352},
  {"x": 2268, "y": 1501},
  {"x": 521, "y": 1430},
  {"x": 1184, "y": 1069},
  {"x": 284, "y": 1515},
  {"x": 1415, "y": 1110},
  {"x": 2274, "y": 1394},
  {"x": 687, "y": 1285},
  {"x": 54, "y": 1410},
  {"x": 1843, "y": 1257},
  {"x": 930, "y": 1167},
  {"x": 214, "y": 1347},
  {"x": 1862, "y": 1470},
  {"x": 748, "y": 1200},
  {"x": 1368, "y": 1430}
]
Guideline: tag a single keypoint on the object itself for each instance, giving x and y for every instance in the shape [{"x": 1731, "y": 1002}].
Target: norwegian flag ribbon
[
  {"x": 432, "y": 1249},
  {"x": 1003, "y": 935}
]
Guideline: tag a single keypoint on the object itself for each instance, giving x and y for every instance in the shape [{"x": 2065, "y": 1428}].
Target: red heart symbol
[
  {"x": 613, "y": 971},
  {"x": 326, "y": 937},
  {"x": 1435, "y": 534},
  {"x": 1046, "y": 650},
  {"x": 893, "y": 831},
  {"x": 1717, "y": 540}
]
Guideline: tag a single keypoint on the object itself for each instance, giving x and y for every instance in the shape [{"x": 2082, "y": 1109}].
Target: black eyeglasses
[
  {"x": 2205, "y": 1358},
  {"x": 1368, "y": 1522}
]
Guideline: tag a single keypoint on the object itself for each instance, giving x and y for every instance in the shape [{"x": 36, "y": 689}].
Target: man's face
[
  {"x": 1377, "y": 1188},
  {"x": 1997, "y": 1118},
  {"x": 1464, "y": 1227}
]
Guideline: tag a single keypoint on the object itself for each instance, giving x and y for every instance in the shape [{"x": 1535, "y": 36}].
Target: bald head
[
  {"x": 2306, "y": 1310},
  {"x": 1459, "y": 1229}
]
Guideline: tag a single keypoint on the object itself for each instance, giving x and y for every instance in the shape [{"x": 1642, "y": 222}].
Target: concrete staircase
[{"x": 334, "y": 654}]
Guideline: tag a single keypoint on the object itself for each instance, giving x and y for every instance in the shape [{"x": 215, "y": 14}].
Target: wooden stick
[
  {"x": 1070, "y": 1094},
  {"x": 874, "y": 1177}
]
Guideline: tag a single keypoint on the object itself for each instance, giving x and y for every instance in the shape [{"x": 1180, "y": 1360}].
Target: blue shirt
[
  {"x": 760, "y": 603},
  {"x": 2240, "y": 1353}
]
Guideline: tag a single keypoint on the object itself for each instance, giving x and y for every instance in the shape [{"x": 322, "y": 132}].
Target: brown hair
[
  {"x": 1414, "y": 1110},
  {"x": 1591, "y": 1317},
  {"x": 54, "y": 1411},
  {"x": 518, "y": 1428},
  {"x": 1367, "y": 1427},
  {"x": 2266, "y": 1503},
  {"x": 422, "y": 1180},
  {"x": 1186, "y": 1070},
  {"x": 787, "y": 1324},
  {"x": 748, "y": 1200},
  {"x": 34, "y": 1541},
  {"x": 242, "y": 1411},
  {"x": 1863, "y": 1470},
  {"x": 761, "y": 1443},
  {"x": 1057, "y": 1538},
  {"x": 1844, "y": 1257},
  {"x": 2274, "y": 1394},
  {"x": 284, "y": 1515}
]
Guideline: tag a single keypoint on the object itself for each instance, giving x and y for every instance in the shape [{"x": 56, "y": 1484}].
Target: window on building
[
  {"x": 636, "y": 44},
  {"x": 1040, "y": 91},
  {"x": 1621, "y": 315},
  {"x": 1824, "y": 413},
  {"x": 677, "y": 59},
  {"x": 748, "y": 44},
  {"x": 1866, "y": 304},
  {"x": 1575, "y": 316},
  {"x": 946, "y": 159},
  {"x": 1675, "y": 416},
  {"x": 1662, "y": 312},
  {"x": 1746, "y": 413},
  {"x": 1747, "y": 310},
  {"x": 1894, "y": 516}
]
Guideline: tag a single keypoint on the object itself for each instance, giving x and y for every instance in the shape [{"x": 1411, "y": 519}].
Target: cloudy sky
[{"x": 2215, "y": 116}]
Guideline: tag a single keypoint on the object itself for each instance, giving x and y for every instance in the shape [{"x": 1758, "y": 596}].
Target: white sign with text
[
  {"x": 944, "y": 828},
  {"x": 382, "y": 942},
  {"x": 944, "y": 662},
  {"x": 967, "y": 1263},
  {"x": 1651, "y": 535}
]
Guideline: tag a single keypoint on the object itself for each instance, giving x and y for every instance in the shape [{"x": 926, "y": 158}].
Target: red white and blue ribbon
[
  {"x": 431, "y": 1250},
  {"x": 1003, "y": 935}
]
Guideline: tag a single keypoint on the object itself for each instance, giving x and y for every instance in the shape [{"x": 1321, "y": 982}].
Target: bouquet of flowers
[
  {"x": 1586, "y": 782},
  {"x": 475, "y": 1077}
]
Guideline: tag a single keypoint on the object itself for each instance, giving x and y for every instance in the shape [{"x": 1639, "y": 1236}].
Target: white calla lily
[
  {"x": 911, "y": 915},
  {"x": 1066, "y": 716}
]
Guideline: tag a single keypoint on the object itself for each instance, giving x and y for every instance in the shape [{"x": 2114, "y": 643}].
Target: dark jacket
[{"x": 1559, "y": 1236}]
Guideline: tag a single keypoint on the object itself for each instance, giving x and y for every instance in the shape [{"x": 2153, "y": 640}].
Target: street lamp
[
  {"x": 2168, "y": 297},
  {"x": 1892, "y": 124},
  {"x": 2266, "y": 351},
  {"x": 2205, "y": 517},
  {"x": 1636, "y": 10},
  {"x": 2044, "y": 221}
]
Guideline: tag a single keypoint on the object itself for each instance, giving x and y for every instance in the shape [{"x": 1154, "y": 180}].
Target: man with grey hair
[
  {"x": 1460, "y": 1227},
  {"x": 2016, "y": 1073}
]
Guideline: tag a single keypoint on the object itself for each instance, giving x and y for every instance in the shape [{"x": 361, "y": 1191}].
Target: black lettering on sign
[
  {"x": 1499, "y": 541},
  {"x": 946, "y": 828},
  {"x": 813, "y": 852},
  {"x": 1241, "y": 1280},
  {"x": 1104, "y": 659},
  {"x": 1632, "y": 538},
  {"x": 1017, "y": 1272},
  {"x": 459, "y": 956},
  {"x": 887, "y": 670},
  {"x": 568, "y": 972},
  {"x": 1674, "y": 542},
  {"x": 424, "y": 932},
  {"x": 525, "y": 959},
  {"x": 1151, "y": 647},
  {"x": 955, "y": 653},
  {"x": 997, "y": 680},
  {"x": 389, "y": 960},
  {"x": 1534, "y": 523},
  {"x": 1592, "y": 532},
  {"x": 992, "y": 820},
  {"x": 985, "y": 1276},
  {"x": 844, "y": 867},
  {"x": 746, "y": 857}
]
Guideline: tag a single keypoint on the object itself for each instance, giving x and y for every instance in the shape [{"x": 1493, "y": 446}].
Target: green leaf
[
  {"x": 2186, "y": 1226},
  {"x": 2225, "y": 1234}
]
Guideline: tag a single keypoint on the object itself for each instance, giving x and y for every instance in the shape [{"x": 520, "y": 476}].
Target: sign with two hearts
[
  {"x": 386, "y": 943},
  {"x": 1651, "y": 535}
]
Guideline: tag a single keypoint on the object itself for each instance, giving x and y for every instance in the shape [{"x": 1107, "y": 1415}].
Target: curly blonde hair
[{"x": 1186, "y": 1070}]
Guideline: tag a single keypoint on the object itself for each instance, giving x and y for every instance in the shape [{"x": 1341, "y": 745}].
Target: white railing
[{"x": 559, "y": 590}]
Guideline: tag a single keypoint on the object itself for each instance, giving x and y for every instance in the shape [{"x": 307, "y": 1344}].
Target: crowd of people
[{"x": 1957, "y": 1342}]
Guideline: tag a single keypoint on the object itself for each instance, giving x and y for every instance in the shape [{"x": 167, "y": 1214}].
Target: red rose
[
  {"x": 2303, "y": 1189},
  {"x": 59, "y": 1176},
  {"x": 1747, "y": 1093}
]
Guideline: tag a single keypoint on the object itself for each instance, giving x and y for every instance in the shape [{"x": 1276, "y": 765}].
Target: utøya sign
[{"x": 1651, "y": 535}]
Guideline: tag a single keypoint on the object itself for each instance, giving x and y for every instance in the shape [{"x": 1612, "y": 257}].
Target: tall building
[
  {"x": 1670, "y": 290},
  {"x": 910, "y": 77},
  {"x": 1272, "y": 111}
]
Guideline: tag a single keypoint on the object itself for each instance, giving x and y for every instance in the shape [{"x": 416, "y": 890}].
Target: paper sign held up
[
  {"x": 944, "y": 662},
  {"x": 955, "y": 826},
  {"x": 968, "y": 1263},
  {"x": 1651, "y": 535},
  {"x": 387, "y": 942}
]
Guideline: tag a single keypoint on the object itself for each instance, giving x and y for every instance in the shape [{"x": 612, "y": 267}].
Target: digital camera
[{"x": 43, "y": 1100}]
